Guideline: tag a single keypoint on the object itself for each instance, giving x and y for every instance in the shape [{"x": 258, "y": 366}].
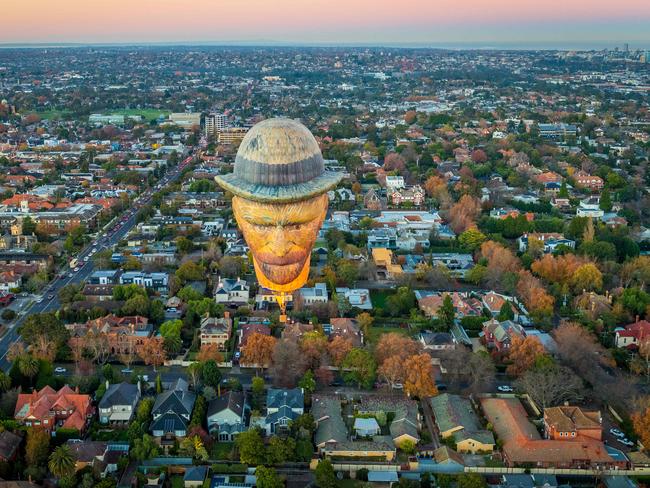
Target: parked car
[
  {"x": 398, "y": 386},
  {"x": 505, "y": 389},
  {"x": 617, "y": 433},
  {"x": 625, "y": 441},
  {"x": 59, "y": 370},
  {"x": 127, "y": 371}
]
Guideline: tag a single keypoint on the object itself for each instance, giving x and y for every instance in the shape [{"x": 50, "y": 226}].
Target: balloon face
[{"x": 281, "y": 237}]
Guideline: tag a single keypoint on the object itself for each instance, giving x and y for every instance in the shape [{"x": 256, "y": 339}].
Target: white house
[
  {"x": 590, "y": 207},
  {"x": 317, "y": 294},
  {"x": 357, "y": 297},
  {"x": 226, "y": 415},
  {"x": 235, "y": 291}
]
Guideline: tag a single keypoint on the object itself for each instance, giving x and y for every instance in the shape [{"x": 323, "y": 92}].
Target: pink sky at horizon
[{"x": 322, "y": 20}]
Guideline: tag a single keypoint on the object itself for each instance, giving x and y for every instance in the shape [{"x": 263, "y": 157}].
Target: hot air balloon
[{"x": 280, "y": 201}]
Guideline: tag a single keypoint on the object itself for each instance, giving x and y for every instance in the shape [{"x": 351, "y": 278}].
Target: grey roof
[
  {"x": 283, "y": 412},
  {"x": 120, "y": 394},
  {"x": 276, "y": 398},
  {"x": 452, "y": 411},
  {"x": 177, "y": 399},
  {"x": 234, "y": 401},
  {"x": 9, "y": 443},
  {"x": 195, "y": 473},
  {"x": 326, "y": 411},
  {"x": 169, "y": 422}
]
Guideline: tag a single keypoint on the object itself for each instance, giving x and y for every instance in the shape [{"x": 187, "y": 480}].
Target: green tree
[
  {"x": 506, "y": 312},
  {"x": 28, "y": 226},
  {"x": 308, "y": 382},
  {"x": 471, "y": 239},
  {"x": 251, "y": 447},
  {"x": 44, "y": 325},
  {"x": 211, "y": 373},
  {"x": 267, "y": 478},
  {"x": 145, "y": 448},
  {"x": 62, "y": 462},
  {"x": 280, "y": 450},
  {"x": 257, "y": 388},
  {"x": 359, "y": 367},
  {"x": 470, "y": 480},
  {"x": 605, "y": 201},
  {"x": 447, "y": 312},
  {"x": 325, "y": 477},
  {"x": 37, "y": 447}
]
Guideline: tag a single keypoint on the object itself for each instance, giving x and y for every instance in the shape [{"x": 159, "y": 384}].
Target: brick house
[{"x": 566, "y": 422}]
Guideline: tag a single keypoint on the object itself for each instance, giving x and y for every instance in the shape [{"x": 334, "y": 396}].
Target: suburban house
[
  {"x": 232, "y": 291},
  {"x": 216, "y": 331},
  {"x": 413, "y": 195},
  {"x": 523, "y": 446},
  {"x": 118, "y": 404},
  {"x": 633, "y": 334},
  {"x": 498, "y": 334},
  {"x": 590, "y": 207},
  {"x": 315, "y": 294},
  {"x": 246, "y": 330},
  {"x": 356, "y": 297},
  {"x": 570, "y": 422},
  {"x": 590, "y": 182},
  {"x": 406, "y": 418},
  {"x": 282, "y": 406},
  {"x": 155, "y": 281},
  {"x": 455, "y": 418},
  {"x": 226, "y": 415},
  {"x": 437, "y": 341},
  {"x": 330, "y": 427},
  {"x": 366, "y": 427},
  {"x": 550, "y": 241},
  {"x": 346, "y": 328},
  {"x": 50, "y": 409},
  {"x": 171, "y": 413},
  {"x": 458, "y": 264},
  {"x": 102, "y": 456},
  {"x": 124, "y": 334},
  {"x": 464, "y": 305}
]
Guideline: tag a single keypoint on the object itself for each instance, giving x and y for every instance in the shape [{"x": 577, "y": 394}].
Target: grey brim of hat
[{"x": 281, "y": 193}]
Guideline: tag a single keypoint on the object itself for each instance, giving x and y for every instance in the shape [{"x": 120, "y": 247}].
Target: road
[{"x": 120, "y": 227}]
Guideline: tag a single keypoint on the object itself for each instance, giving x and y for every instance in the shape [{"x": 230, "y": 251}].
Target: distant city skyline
[{"x": 559, "y": 24}]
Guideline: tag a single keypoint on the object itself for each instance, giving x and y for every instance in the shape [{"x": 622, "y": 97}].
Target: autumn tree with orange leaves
[
  {"x": 463, "y": 214},
  {"x": 641, "y": 423},
  {"x": 152, "y": 352},
  {"x": 418, "y": 376},
  {"x": 501, "y": 260},
  {"x": 209, "y": 352},
  {"x": 523, "y": 354},
  {"x": 258, "y": 350},
  {"x": 313, "y": 345},
  {"x": 557, "y": 269},
  {"x": 338, "y": 348},
  {"x": 392, "y": 370},
  {"x": 436, "y": 187},
  {"x": 534, "y": 295},
  {"x": 395, "y": 344}
]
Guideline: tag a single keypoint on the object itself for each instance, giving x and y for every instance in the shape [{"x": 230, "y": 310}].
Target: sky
[{"x": 524, "y": 23}]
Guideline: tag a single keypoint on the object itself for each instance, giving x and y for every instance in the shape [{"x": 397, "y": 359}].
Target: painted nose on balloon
[{"x": 279, "y": 244}]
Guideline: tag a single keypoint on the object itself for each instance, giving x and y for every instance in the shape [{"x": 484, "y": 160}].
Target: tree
[
  {"x": 523, "y": 353},
  {"x": 251, "y": 447},
  {"x": 500, "y": 261},
  {"x": 472, "y": 371},
  {"x": 418, "y": 376},
  {"x": 534, "y": 295},
  {"x": 171, "y": 334},
  {"x": 470, "y": 480},
  {"x": 338, "y": 348},
  {"x": 364, "y": 319},
  {"x": 307, "y": 382},
  {"x": 463, "y": 214},
  {"x": 258, "y": 350},
  {"x": 28, "y": 366},
  {"x": 359, "y": 367},
  {"x": 37, "y": 447},
  {"x": 267, "y": 478},
  {"x": 506, "y": 312},
  {"x": 144, "y": 448},
  {"x": 325, "y": 477},
  {"x": 392, "y": 370},
  {"x": 471, "y": 239},
  {"x": 152, "y": 352},
  {"x": 395, "y": 344},
  {"x": 209, "y": 352},
  {"x": 641, "y": 424},
  {"x": 288, "y": 363},
  {"x": 211, "y": 374},
  {"x": 44, "y": 324},
  {"x": 447, "y": 312},
  {"x": 478, "y": 156},
  {"x": 605, "y": 203},
  {"x": 551, "y": 386},
  {"x": 193, "y": 447},
  {"x": 62, "y": 462},
  {"x": 402, "y": 302},
  {"x": 587, "y": 278},
  {"x": 280, "y": 450}
]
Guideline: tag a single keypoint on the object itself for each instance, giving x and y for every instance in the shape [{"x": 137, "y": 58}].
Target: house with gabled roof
[
  {"x": 227, "y": 415},
  {"x": 283, "y": 406},
  {"x": 232, "y": 291},
  {"x": 119, "y": 402},
  {"x": 171, "y": 413},
  {"x": 455, "y": 418},
  {"x": 50, "y": 409}
]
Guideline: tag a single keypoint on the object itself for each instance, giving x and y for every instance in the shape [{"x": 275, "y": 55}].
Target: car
[
  {"x": 60, "y": 370},
  {"x": 626, "y": 442},
  {"x": 127, "y": 371},
  {"x": 86, "y": 259},
  {"x": 398, "y": 386},
  {"x": 237, "y": 355},
  {"x": 50, "y": 297},
  {"x": 39, "y": 300},
  {"x": 505, "y": 389},
  {"x": 76, "y": 269},
  {"x": 616, "y": 433},
  {"x": 94, "y": 250}
]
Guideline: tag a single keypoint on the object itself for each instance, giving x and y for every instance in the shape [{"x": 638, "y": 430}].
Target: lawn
[
  {"x": 378, "y": 297},
  {"x": 177, "y": 482},
  {"x": 376, "y": 332},
  {"x": 52, "y": 114},
  {"x": 146, "y": 113}
]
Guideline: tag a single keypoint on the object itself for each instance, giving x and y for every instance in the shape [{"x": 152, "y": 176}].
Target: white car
[
  {"x": 617, "y": 433},
  {"x": 76, "y": 269},
  {"x": 626, "y": 442},
  {"x": 505, "y": 389},
  {"x": 127, "y": 371},
  {"x": 60, "y": 370},
  {"x": 398, "y": 386}
]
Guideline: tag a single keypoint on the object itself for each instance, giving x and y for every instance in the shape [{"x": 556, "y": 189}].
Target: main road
[{"x": 117, "y": 230}]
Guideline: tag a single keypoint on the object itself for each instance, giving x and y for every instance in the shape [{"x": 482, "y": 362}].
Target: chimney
[
  {"x": 107, "y": 384},
  {"x": 226, "y": 314}
]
